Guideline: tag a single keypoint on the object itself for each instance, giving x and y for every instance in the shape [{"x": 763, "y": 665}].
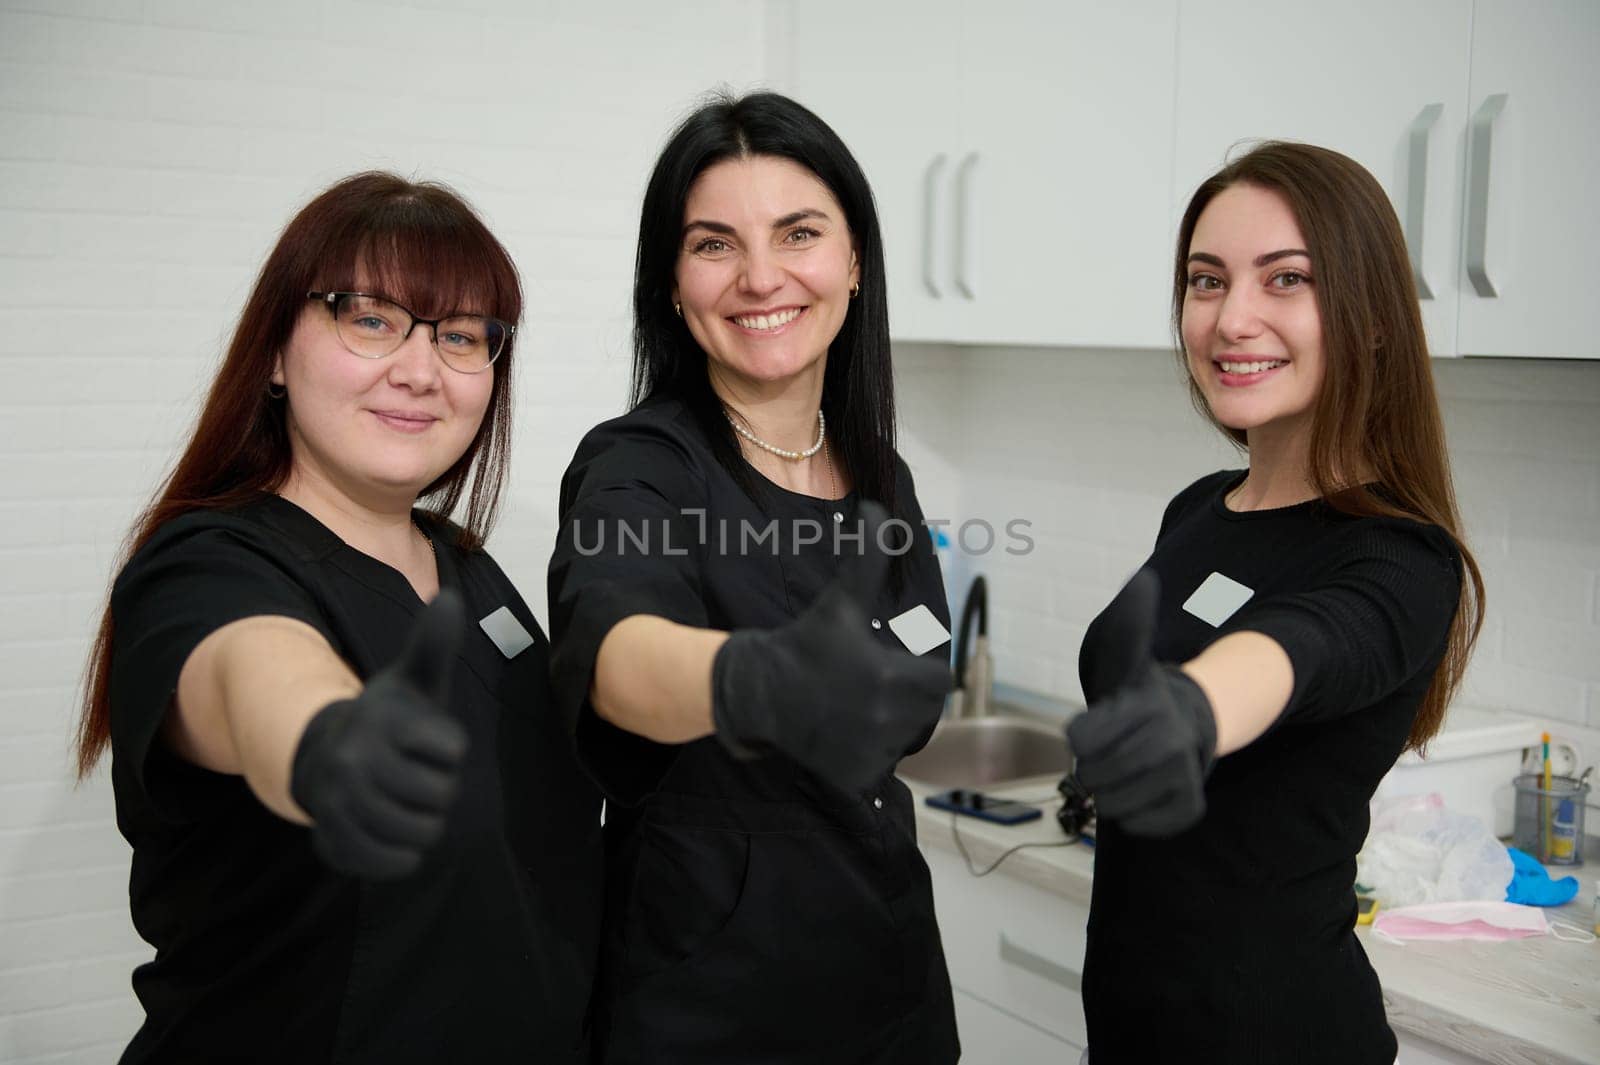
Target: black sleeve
[
  {"x": 628, "y": 543},
  {"x": 195, "y": 575},
  {"x": 927, "y": 574},
  {"x": 1379, "y": 617},
  {"x": 926, "y": 571}
]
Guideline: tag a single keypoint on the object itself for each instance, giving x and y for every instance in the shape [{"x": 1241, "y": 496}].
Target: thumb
[
  {"x": 862, "y": 575},
  {"x": 1119, "y": 644},
  {"x": 432, "y": 645}
]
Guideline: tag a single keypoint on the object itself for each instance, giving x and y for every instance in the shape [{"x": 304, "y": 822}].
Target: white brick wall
[{"x": 150, "y": 150}]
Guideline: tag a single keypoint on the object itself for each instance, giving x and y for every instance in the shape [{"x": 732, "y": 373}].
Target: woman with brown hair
[
  {"x": 358, "y": 831},
  {"x": 1299, "y": 624}
]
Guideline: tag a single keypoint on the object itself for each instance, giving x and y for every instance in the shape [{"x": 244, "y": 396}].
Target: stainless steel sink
[{"x": 983, "y": 752}]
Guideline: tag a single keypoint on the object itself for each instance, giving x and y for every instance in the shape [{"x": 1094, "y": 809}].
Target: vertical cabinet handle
[
  {"x": 965, "y": 237},
  {"x": 1417, "y": 192},
  {"x": 1478, "y": 194},
  {"x": 1039, "y": 965},
  {"x": 930, "y": 204}
]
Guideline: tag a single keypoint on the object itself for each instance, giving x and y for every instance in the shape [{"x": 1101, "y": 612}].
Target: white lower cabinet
[
  {"x": 1016, "y": 961},
  {"x": 991, "y": 1036},
  {"x": 1414, "y": 1050},
  {"x": 1015, "y": 953}
]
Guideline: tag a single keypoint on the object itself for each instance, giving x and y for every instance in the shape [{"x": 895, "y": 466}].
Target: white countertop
[{"x": 1522, "y": 1002}]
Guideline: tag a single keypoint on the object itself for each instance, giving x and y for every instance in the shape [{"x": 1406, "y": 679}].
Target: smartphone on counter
[{"x": 977, "y": 804}]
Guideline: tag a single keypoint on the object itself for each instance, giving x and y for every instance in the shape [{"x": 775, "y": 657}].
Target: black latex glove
[
  {"x": 821, "y": 689},
  {"x": 378, "y": 773},
  {"x": 1145, "y": 746}
]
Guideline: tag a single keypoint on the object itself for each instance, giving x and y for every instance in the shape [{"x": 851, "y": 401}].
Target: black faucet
[{"x": 973, "y": 680}]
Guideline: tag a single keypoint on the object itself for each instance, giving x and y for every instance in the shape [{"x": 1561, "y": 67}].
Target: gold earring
[
  {"x": 678, "y": 309},
  {"x": 855, "y": 290}
]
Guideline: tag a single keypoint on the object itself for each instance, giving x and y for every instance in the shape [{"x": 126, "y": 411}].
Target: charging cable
[{"x": 955, "y": 832}]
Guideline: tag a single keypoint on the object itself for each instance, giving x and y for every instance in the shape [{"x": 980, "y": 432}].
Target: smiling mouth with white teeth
[
  {"x": 761, "y": 323},
  {"x": 1252, "y": 367}
]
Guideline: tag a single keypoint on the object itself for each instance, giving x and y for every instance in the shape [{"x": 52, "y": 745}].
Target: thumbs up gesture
[
  {"x": 1148, "y": 738},
  {"x": 378, "y": 773},
  {"x": 821, "y": 689}
]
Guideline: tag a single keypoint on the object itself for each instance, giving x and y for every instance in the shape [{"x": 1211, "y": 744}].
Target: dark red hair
[{"x": 419, "y": 244}]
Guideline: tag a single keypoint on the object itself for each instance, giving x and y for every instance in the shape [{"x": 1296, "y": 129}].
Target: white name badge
[
  {"x": 919, "y": 630},
  {"x": 1217, "y": 599},
  {"x": 507, "y": 632}
]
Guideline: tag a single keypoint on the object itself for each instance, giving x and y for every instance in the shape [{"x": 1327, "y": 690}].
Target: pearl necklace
[{"x": 792, "y": 456}]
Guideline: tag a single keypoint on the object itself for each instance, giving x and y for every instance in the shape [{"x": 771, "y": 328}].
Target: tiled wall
[{"x": 149, "y": 152}]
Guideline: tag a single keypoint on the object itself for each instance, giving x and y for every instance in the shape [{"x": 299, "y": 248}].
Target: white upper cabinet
[
  {"x": 1532, "y": 214},
  {"x": 1031, "y": 159},
  {"x": 1067, "y": 161},
  {"x": 1378, "y": 81},
  {"x": 1020, "y": 153},
  {"x": 887, "y": 78}
]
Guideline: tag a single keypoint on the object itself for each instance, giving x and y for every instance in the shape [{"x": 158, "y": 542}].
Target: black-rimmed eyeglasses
[{"x": 373, "y": 327}]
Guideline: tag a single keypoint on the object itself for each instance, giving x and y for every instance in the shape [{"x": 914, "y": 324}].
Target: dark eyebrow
[
  {"x": 1283, "y": 253},
  {"x": 715, "y": 227},
  {"x": 787, "y": 220},
  {"x": 1261, "y": 260},
  {"x": 800, "y": 216}
]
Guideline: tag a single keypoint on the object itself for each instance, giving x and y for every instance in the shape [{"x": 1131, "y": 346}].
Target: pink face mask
[{"x": 1469, "y": 919}]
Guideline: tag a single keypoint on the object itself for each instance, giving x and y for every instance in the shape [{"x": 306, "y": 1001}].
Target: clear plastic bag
[{"x": 1418, "y": 851}]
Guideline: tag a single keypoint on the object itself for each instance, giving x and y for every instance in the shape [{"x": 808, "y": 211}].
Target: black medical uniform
[
  {"x": 755, "y": 913},
  {"x": 1234, "y": 941},
  {"x": 264, "y": 953}
]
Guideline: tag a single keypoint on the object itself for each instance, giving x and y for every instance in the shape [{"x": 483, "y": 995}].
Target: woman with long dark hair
[
  {"x": 748, "y": 623},
  {"x": 1299, "y": 624},
  {"x": 359, "y": 834}
]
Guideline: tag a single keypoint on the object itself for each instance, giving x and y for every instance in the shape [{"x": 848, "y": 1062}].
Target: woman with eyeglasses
[
  {"x": 743, "y": 679},
  {"x": 358, "y": 832}
]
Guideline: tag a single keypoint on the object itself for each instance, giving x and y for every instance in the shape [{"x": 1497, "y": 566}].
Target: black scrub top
[
  {"x": 263, "y": 953},
  {"x": 754, "y": 912},
  {"x": 1238, "y": 934}
]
